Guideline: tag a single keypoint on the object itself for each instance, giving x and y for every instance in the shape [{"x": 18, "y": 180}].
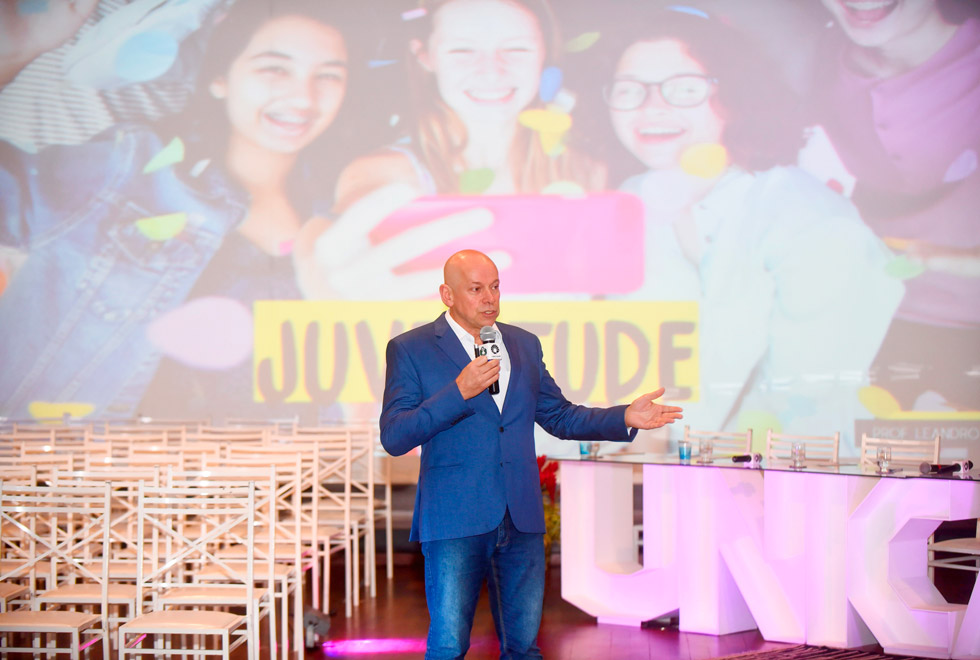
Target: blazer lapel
[
  {"x": 510, "y": 343},
  {"x": 447, "y": 340}
]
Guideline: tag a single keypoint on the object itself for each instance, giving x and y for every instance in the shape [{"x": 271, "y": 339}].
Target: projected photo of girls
[
  {"x": 800, "y": 177},
  {"x": 153, "y": 240},
  {"x": 791, "y": 284},
  {"x": 476, "y": 70},
  {"x": 898, "y": 93}
]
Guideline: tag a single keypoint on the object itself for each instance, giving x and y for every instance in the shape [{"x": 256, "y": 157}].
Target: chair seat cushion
[
  {"x": 49, "y": 621},
  {"x": 183, "y": 621}
]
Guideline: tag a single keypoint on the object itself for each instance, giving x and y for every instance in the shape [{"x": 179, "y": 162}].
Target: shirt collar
[{"x": 464, "y": 337}]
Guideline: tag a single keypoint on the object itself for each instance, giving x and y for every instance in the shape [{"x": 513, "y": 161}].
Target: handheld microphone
[
  {"x": 932, "y": 468},
  {"x": 489, "y": 337},
  {"x": 747, "y": 458}
]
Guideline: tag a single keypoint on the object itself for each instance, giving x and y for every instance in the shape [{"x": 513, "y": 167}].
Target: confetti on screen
[
  {"x": 413, "y": 14},
  {"x": 582, "y": 42},
  {"x": 146, "y": 56},
  {"x": 58, "y": 410},
  {"x": 962, "y": 166},
  {"x": 706, "y": 160},
  {"x": 206, "y": 333},
  {"x": 162, "y": 227},
  {"x": 474, "y": 182},
  {"x": 171, "y": 154},
  {"x": 550, "y": 125},
  {"x": 903, "y": 268},
  {"x": 545, "y": 120},
  {"x": 836, "y": 186},
  {"x": 551, "y": 79},
  {"x": 692, "y": 11}
]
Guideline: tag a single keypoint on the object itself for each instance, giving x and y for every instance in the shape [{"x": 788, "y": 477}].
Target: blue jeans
[{"x": 512, "y": 562}]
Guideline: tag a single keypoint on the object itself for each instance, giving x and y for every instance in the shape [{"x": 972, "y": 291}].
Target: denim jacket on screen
[{"x": 74, "y": 316}]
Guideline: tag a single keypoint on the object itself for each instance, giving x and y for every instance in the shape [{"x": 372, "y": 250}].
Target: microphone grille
[
  {"x": 925, "y": 468},
  {"x": 488, "y": 334}
]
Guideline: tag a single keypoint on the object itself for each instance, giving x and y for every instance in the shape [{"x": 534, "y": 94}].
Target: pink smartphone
[{"x": 591, "y": 244}]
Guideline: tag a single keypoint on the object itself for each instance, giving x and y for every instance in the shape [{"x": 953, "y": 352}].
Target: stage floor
[{"x": 394, "y": 625}]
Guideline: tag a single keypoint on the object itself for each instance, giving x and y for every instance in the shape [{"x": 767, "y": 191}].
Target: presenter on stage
[{"x": 478, "y": 510}]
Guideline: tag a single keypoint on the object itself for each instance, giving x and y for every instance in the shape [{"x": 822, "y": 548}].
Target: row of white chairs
[
  {"x": 301, "y": 496},
  {"x": 823, "y": 448},
  {"x": 61, "y": 558},
  {"x": 190, "y": 445}
]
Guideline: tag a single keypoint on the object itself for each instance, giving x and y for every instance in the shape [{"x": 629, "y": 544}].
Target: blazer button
[{"x": 501, "y": 429}]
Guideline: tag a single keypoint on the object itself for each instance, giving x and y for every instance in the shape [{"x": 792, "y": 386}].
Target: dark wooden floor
[{"x": 394, "y": 626}]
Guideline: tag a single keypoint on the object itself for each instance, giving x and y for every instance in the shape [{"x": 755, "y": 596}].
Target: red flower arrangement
[{"x": 548, "y": 476}]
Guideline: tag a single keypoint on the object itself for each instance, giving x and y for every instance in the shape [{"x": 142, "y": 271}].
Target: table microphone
[
  {"x": 489, "y": 336},
  {"x": 932, "y": 468},
  {"x": 747, "y": 458}
]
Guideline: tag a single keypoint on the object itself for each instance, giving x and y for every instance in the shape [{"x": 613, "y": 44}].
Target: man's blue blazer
[{"x": 476, "y": 460}]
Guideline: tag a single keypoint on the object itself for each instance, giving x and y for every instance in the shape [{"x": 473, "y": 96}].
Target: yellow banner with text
[{"x": 599, "y": 352}]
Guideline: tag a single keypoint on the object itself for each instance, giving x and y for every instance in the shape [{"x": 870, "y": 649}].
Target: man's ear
[
  {"x": 219, "y": 88},
  {"x": 446, "y": 294},
  {"x": 421, "y": 54}
]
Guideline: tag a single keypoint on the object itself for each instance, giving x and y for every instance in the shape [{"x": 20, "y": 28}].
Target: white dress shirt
[{"x": 469, "y": 344}]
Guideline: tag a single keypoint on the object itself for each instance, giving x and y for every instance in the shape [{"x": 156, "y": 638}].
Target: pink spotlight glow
[{"x": 369, "y": 646}]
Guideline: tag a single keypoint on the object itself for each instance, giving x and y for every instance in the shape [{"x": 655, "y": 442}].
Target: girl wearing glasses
[{"x": 793, "y": 297}]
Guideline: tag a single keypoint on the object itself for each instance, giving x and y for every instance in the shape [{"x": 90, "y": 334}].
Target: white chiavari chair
[
  {"x": 13, "y": 591},
  {"x": 723, "y": 442},
  {"x": 281, "y": 426},
  {"x": 326, "y": 519},
  {"x": 820, "y": 448},
  {"x": 905, "y": 453},
  {"x": 181, "y": 528},
  {"x": 277, "y": 531},
  {"x": 68, "y": 528},
  {"x": 122, "y": 572},
  {"x": 228, "y": 437},
  {"x": 264, "y": 533},
  {"x": 364, "y": 505}
]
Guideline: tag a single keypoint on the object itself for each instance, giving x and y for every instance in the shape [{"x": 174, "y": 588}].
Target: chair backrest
[
  {"x": 229, "y": 435},
  {"x": 63, "y": 529},
  {"x": 277, "y": 425},
  {"x": 44, "y": 463},
  {"x": 905, "y": 453},
  {"x": 779, "y": 446},
  {"x": 362, "y": 468},
  {"x": 723, "y": 442},
  {"x": 185, "y": 527}
]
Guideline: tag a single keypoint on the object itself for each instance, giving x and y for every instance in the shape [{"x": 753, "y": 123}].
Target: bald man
[{"x": 478, "y": 508}]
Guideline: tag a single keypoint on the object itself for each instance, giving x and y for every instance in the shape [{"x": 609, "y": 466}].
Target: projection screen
[{"x": 221, "y": 210}]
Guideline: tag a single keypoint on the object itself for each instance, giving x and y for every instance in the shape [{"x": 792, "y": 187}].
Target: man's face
[{"x": 472, "y": 293}]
